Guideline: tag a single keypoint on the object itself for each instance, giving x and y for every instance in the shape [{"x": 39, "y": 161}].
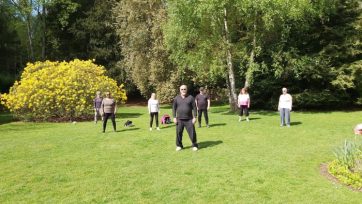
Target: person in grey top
[
  {"x": 109, "y": 109},
  {"x": 184, "y": 115},
  {"x": 97, "y": 102}
]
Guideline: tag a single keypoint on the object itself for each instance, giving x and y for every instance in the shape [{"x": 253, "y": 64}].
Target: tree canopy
[{"x": 312, "y": 47}]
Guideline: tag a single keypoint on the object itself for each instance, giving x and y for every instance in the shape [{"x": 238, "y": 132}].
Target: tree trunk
[
  {"x": 30, "y": 38},
  {"x": 248, "y": 79},
  {"x": 43, "y": 40},
  {"x": 231, "y": 76}
]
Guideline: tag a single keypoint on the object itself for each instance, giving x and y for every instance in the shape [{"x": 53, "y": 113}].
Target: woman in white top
[
  {"x": 244, "y": 103},
  {"x": 284, "y": 107},
  {"x": 153, "y": 110}
]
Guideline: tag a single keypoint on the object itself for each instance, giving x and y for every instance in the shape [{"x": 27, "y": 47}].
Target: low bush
[
  {"x": 324, "y": 99},
  {"x": 347, "y": 167},
  {"x": 59, "y": 90}
]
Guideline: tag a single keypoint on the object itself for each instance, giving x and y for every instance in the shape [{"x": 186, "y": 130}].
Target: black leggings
[
  {"x": 153, "y": 114},
  {"x": 113, "y": 118},
  {"x": 244, "y": 109},
  {"x": 200, "y": 116}
]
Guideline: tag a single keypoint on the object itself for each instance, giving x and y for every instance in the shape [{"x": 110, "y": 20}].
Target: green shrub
[
  {"x": 347, "y": 166},
  {"x": 320, "y": 99},
  {"x": 59, "y": 90},
  {"x": 344, "y": 174}
]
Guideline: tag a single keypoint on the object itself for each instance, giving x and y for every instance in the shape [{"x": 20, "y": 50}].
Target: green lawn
[{"x": 255, "y": 162}]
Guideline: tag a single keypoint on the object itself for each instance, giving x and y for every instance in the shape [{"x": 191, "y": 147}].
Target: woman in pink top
[{"x": 244, "y": 103}]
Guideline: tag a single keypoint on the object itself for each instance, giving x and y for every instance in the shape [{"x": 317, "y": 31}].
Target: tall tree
[
  {"x": 139, "y": 25},
  {"x": 25, "y": 8},
  {"x": 245, "y": 39},
  {"x": 13, "y": 52}
]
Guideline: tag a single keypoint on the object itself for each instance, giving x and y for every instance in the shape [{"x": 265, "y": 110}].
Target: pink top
[{"x": 244, "y": 100}]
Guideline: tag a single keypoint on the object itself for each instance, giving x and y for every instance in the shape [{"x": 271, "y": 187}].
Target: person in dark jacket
[
  {"x": 184, "y": 115},
  {"x": 202, "y": 101}
]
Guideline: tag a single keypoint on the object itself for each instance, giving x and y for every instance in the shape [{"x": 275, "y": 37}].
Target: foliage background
[{"x": 312, "y": 47}]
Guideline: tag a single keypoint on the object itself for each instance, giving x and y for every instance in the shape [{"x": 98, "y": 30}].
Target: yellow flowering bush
[{"x": 59, "y": 90}]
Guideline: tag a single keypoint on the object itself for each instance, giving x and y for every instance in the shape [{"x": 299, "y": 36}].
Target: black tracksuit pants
[{"x": 190, "y": 128}]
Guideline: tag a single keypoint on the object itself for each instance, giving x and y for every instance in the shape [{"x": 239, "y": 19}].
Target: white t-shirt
[
  {"x": 285, "y": 101},
  {"x": 153, "y": 106}
]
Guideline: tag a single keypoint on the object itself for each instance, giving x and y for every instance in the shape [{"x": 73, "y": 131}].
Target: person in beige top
[{"x": 109, "y": 109}]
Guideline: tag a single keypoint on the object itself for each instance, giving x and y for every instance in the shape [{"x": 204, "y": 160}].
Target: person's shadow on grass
[
  {"x": 295, "y": 123},
  {"x": 128, "y": 129},
  {"x": 217, "y": 124},
  {"x": 207, "y": 144},
  {"x": 167, "y": 126}
]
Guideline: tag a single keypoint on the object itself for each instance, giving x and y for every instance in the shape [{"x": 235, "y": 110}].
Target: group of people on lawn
[{"x": 185, "y": 108}]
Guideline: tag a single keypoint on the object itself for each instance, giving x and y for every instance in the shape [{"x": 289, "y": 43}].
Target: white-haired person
[
  {"x": 358, "y": 129},
  {"x": 153, "y": 110},
  {"x": 284, "y": 107}
]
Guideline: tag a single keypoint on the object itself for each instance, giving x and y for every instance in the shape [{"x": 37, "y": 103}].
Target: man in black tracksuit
[{"x": 184, "y": 115}]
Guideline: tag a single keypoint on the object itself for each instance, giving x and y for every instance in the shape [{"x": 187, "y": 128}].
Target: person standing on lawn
[
  {"x": 97, "y": 102},
  {"x": 184, "y": 116},
  {"x": 153, "y": 110},
  {"x": 284, "y": 107},
  {"x": 244, "y": 103},
  {"x": 202, "y": 101},
  {"x": 109, "y": 109}
]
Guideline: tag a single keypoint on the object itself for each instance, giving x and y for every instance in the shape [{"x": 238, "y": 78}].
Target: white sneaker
[
  {"x": 178, "y": 149},
  {"x": 158, "y": 128},
  {"x": 150, "y": 129},
  {"x": 239, "y": 119},
  {"x": 195, "y": 149},
  {"x": 247, "y": 119}
]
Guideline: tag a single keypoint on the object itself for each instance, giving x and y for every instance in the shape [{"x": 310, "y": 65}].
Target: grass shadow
[
  {"x": 254, "y": 118},
  {"x": 207, "y": 144},
  {"x": 128, "y": 115},
  {"x": 167, "y": 126},
  {"x": 217, "y": 124},
  {"x": 6, "y": 118},
  {"x": 128, "y": 129},
  {"x": 295, "y": 123}
]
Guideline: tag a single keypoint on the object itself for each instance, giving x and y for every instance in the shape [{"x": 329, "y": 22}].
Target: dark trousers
[
  {"x": 199, "y": 112},
  {"x": 244, "y": 109},
  {"x": 113, "y": 118},
  {"x": 190, "y": 128},
  {"x": 152, "y": 115}
]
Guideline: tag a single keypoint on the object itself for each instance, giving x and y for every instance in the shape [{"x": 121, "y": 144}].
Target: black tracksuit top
[{"x": 182, "y": 108}]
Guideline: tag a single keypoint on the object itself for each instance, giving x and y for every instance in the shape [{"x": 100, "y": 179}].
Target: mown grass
[{"x": 255, "y": 162}]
